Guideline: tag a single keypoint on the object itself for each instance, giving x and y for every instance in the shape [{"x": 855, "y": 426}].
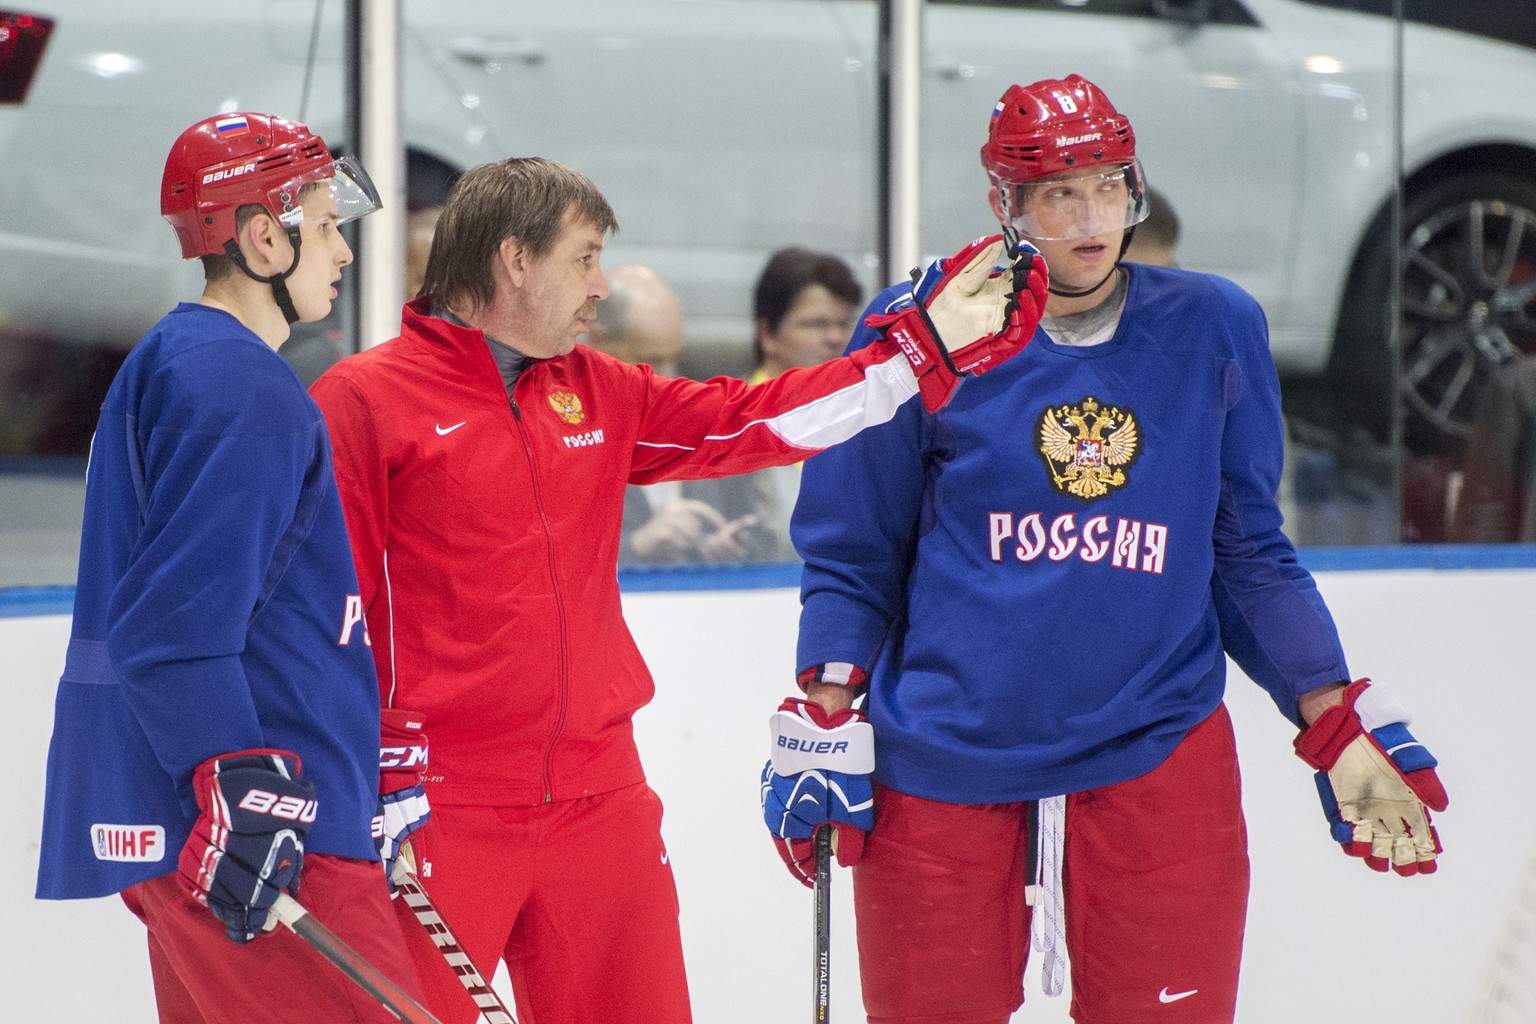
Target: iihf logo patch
[
  {"x": 1088, "y": 448},
  {"x": 130, "y": 843}
]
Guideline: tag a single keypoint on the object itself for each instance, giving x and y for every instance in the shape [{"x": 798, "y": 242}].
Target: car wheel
[
  {"x": 1468, "y": 307},
  {"x": 1468, "y": 295}
]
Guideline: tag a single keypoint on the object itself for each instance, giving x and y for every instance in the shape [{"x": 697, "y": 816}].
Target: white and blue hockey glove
[
  {"x": 403, "y": 804},
  {"x": 247, "y": 846},
  {"x": 1377, "y": 783},
  {"x": 972, "y": 311},
  {"x": 818, "y": 777}
]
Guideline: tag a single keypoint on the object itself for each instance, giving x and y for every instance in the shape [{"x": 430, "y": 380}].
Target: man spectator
[
  {"x": 641, "y": 322},
  {"x": 1154, "y": 240}
]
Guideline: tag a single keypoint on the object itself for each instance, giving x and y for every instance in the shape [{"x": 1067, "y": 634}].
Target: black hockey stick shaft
[
  {"x": 431, "y": 919},
  {"x": 821, "y": 1011},
  {"x": 389, "y": 995}
]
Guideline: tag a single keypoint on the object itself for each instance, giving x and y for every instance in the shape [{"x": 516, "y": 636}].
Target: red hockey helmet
[
  {"x": 1054, "y": 127},
  {"x": 231, "y": 160},
  {"x": 1065, "y": 129}
]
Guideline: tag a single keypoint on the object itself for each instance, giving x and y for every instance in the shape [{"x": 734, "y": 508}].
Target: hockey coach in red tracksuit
[{"x": 482, "y": 458}]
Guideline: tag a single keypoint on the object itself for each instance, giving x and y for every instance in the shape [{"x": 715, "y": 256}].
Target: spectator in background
[
  {"x": 641, "y": 322},
  {"x": 803, "y": 312},
  {"x": 1156, "y": 237},
  {"x": 802, "y": 309},
  {"x": 1496, "y": 499},
  {"x": 419, "y": 225}
]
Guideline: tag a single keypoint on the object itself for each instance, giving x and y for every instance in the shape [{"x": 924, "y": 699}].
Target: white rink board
[{"x": 1328, "y": 940}]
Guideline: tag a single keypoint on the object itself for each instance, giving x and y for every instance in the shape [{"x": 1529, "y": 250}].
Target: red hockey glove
[
  {"x": 402, "y": 797},
  {"x": 248, "y": 844},
  {"x": 1377, "y": 783},
  {"x": 967, "y": 316},
  {"x": 818, "y": 777}
]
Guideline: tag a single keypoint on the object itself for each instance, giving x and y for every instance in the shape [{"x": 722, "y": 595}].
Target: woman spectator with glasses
[{"x": 803, "y": 314}]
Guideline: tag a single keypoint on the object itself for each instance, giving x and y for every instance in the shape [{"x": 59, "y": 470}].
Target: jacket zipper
[{"x": 565, "y": 669}]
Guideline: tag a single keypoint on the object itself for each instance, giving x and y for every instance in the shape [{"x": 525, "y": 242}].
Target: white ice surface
[{"x": 1328, "y": 941}]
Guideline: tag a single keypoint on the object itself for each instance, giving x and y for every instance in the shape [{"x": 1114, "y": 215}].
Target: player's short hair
[
  {"x": 525, "y": 198},
  {"x": 217, "y": 268}
]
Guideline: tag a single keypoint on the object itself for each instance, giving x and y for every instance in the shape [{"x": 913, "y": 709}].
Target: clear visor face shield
[
  {"x": 349, "y": 186},
  {"x": 1103, "y": 201}
]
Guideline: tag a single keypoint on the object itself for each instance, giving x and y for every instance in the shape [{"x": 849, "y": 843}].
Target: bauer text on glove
[
  {"x": 247, "y": 845},
  {"x": 818, "y": 777}
]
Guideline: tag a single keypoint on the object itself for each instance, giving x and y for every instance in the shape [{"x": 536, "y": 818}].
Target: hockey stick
[
  {"x": 409, "y": 887},
  {"x": 392, "y": 997},
  {"x": 821, "y": 992}
]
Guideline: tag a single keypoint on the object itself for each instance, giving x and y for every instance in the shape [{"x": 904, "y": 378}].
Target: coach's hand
[
  {"x": 247, "y": 845},
  {"x": 968, "y": 315},
  {"x": 1377, "y": 783},
  {"x": 818, "y": 777}
]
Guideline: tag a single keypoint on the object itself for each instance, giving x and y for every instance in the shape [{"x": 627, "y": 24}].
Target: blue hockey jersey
[
  {"x": 216, "y": 610},
  {"x": 1042, "y": 578}
]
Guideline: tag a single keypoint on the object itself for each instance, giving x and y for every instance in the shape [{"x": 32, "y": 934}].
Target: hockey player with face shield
[
  {"x": 1040, "y": 607},
  {"x": 216, "y": 728}
]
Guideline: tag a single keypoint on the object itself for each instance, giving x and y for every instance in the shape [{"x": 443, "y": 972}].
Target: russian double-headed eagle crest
[
  {"x": 567, "y": 406},
  {"x": 1088, "y": 447}
]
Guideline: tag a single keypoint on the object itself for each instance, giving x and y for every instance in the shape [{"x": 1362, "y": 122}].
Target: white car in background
[{"x": 724, "y": 129}]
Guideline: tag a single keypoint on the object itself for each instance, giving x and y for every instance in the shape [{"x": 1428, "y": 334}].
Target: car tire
[{"x": 1469, "y": 306}]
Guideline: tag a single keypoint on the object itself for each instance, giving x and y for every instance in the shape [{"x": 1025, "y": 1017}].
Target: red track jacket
[{"x": 486, "y": 533}]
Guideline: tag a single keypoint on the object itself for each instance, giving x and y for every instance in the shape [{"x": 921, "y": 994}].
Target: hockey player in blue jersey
[
  {"x": 1039, "y": 587},
  {"x": 217, "y": 722}
]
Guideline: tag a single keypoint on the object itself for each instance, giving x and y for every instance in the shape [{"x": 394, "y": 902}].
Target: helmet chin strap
[
  {"x": 278, "y": 281},
  {"x": 1010, "y": 233},
  {"x": 1011, "y": 238}
]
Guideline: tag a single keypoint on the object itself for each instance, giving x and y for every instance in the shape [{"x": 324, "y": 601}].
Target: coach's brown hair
[{"x": 524, "y": 198}]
